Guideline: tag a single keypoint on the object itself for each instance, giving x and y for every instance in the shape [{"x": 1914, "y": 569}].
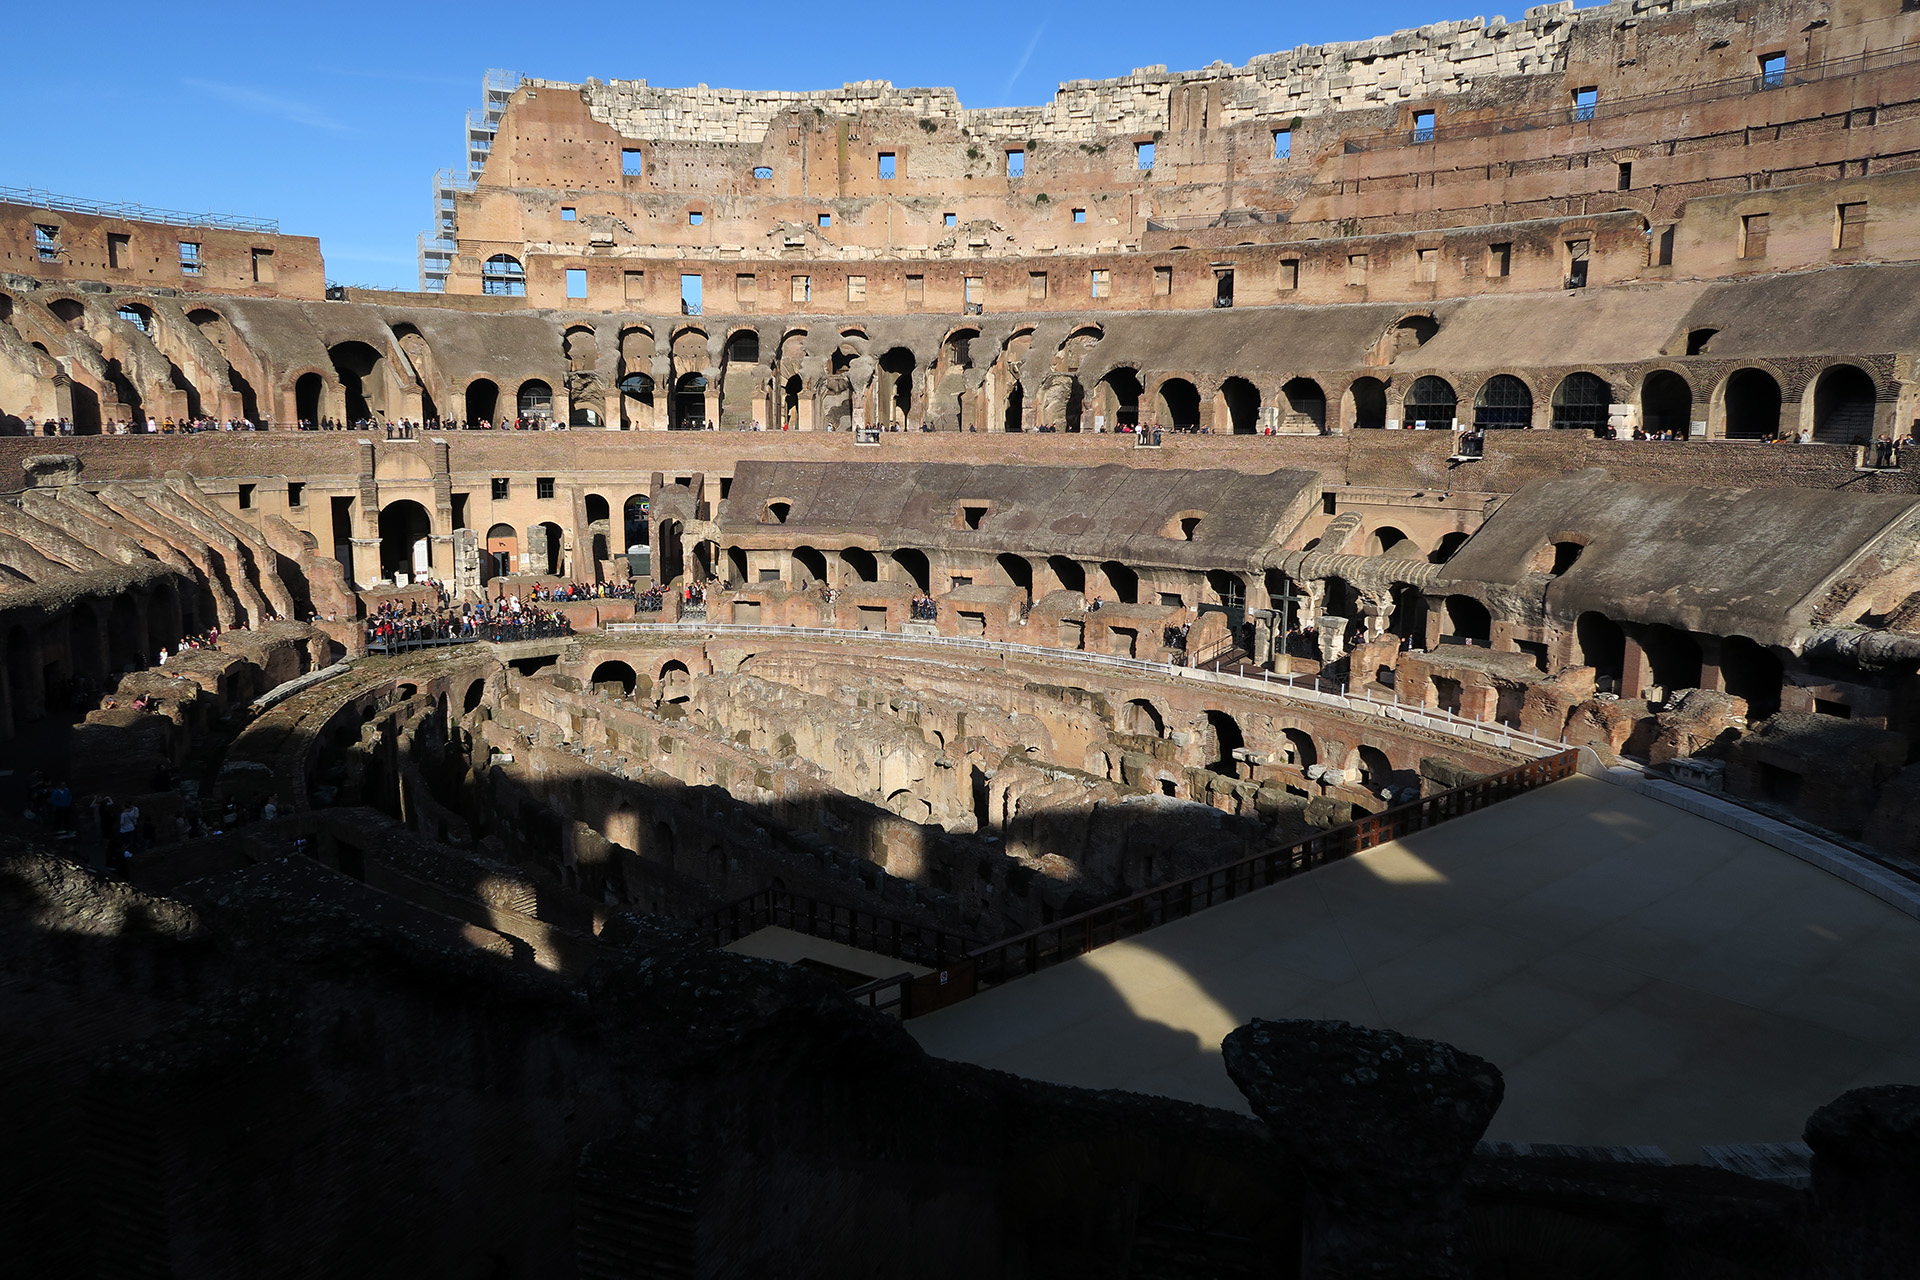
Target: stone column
[
  {"x": 1636, "y": 673},
  {"x": 1382, "y": 1126},
  {"x": 366, "y": 562}
]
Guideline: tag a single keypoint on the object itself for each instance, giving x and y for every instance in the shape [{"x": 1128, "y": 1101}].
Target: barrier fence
[{"x": 925, "y": 945}]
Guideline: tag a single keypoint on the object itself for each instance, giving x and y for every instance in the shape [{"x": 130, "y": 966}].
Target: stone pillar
[
  {"x": 1636, "y": 673},
  {"x": 1381, "y": 1125},
  {"x": 366, "y": 562},
  {"x": 1333, "y": 638},
  {"x": 1866, "y": 1182}
]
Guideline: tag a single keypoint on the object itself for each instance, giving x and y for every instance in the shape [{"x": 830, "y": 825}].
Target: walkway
[{"x": 1640, "y": 975}]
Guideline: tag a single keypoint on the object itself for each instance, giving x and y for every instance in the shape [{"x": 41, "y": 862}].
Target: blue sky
[{"x": 332, "y": 118}]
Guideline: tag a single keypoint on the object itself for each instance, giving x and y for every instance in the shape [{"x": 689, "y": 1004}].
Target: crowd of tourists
[
  {"x": 143, "y": 427},
  {"x": 395, "y": 626},
  {"x": 574, "y": 591},
  {"x": 924, "y": 609},
  {"x": 405, "y": 428}
]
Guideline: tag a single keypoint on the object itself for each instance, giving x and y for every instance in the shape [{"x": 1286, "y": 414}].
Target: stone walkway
[{"x": 1641, "y": 975}]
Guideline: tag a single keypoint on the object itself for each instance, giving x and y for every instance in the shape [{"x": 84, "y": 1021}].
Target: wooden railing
[
  {"x": 918, "y": 944},
  {"x": 998, "y": 962}
]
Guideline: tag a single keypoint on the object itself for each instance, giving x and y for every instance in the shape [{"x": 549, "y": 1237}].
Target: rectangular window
[
  {"x": 801, "y": 289},
  {"x": 1283, "y": 144},
  {"x": 692, "y": 289},
  {"x": 263, "y": 266},
  {"x": 974, "y": 290},
  {"x": 949, "y": 219},
  {"x": 1102, "y": 282},
  {"x": 762, "y": 172},
  {"x": 1289, "y": 273},
  {"x": 630, "y": 161},
  {"x": 636, "y": 285},
  {"x": 856, "y": 288},
  {"x": 1499, "y": 259},
  {"x": 246, "y": 497},
  {"x": 543, "y": 487},
  {"x": 743, "y": 284},
  {"x": 1036, "y": 284},
  {"x": 1143, "y": 155},
  {"x": 1773, "y": 70},
  {"x": 1663, "y": 248},
  {"x": 569, "y": 214},
  {"x": 576, "y": 282},
  {"x": 1427, "y": 265},
  {"x": 1753, "y": 235},
  {"x": 499, "y": 488},
  {"x": 826, "y": 219},
  {"x": 189, "y": 258},
  {"x": 695, "y": 217},
  {"x": 1356, "y": 268},
  {"x": 1079, "y": 215},
  {"x": 1016, "y": 164},
  {"x": 47, "y": 240},
  {"x": 1577, "y": 253},
  {"x": 1163, "y": 282},
  {"x": 296, "y": 492},
  {"x": 1423, "y": 126},
  {"x": 119, "y": 246},
  {"x": 1626, "y": 175},
  {"x": 1584, "y": 102},
  {"x": 916, "y": 290},
  {"x": 1223, "y": 287},
  {"x": 889, "y": 165},
  {"x": 1850, "y": 226}
]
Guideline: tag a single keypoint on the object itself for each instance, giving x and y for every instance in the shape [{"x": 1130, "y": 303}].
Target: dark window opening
[
  {"x": 500, "y": 488},
  {"x": 296, "y": 493},
  {"x": 246, "y": 497},
  {"x": 543, "y": 487},
  {"x": 1626, "y": 175}
]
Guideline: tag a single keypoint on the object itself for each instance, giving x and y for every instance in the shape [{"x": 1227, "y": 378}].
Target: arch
[
  {"x": 1580, "y": 403},
  {"x": 1179, "y": 403},
  {"x": 1375, "y": 769},
  {"x": 306, "y": 398},
  {"x": 1229, "y": 588},
  {"x": 1603, "y": 646},
  {"x": 1124, "y": 581},
  {"x": 1119, "y": 394},
  {"x": 1068, "y": 572},
  {"x": 743, "y": 347},
  {"x": 1431, "y": 402},
  {"x": 1666, "y": 404},
  {"x": 916, "y": 566},
  {"x": 1751, "y": 399},
  {"x": 1142, "y": 717},
  {"x": 597, "y": 508},
  {"x": 1503, "y": 403},
  {"x": 864, "y": 565},
  {"x": 633, "y": 520},
  {"x": 483, "y": 400},
  {"x": 1469, "y": 620},
  {"x": 809, "y": 565},
  {"x": 1018, "y": 571},
  {"x": 405, "y": 539},
  {"x": 1410, "y": 333},
  {"x": 1367, "y": 403},
  {"x": 1843, "y": 405},
  {"x": 1753, "y": 672},
  {"x": 555, "y": 540},
  {"x": 1300, "y": 748},
  {"x": 503, "y": 276},
  {"x": 1306, "y": 404},
  {"x": 1223, "y": 739},
  {"x": 1015, "y": 416},
  {"x": 958, "y": 347},
  {"x": 1242, "y": 400},
  {"x": 1386, "y": 538},
  {"x": 690, "y": 401},
  {"x": 1673, "y": 658},
  {"x": 534, "y": 400},
  {"x": 503, "y": 545},
  {"x": 894, "y": 384},
  {"x": 359, "y": 366},
  {"x": 614, "y": 671}
]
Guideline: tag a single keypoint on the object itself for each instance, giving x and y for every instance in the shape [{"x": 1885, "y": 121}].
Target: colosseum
[{"x": 1308, "y": 669}]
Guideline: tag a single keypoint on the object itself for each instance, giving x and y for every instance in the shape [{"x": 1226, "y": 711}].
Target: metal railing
[
  {"x": 1000, "y": 962},
  {"x": 925, "y": 945},
  {"x": 39, "y": 199},
  {"x": 1302, "y": 688}
]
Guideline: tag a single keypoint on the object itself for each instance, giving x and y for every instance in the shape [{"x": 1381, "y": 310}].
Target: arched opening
[
  {"x": 1673, "y": 657},
  {"x": 1242, "y": 399},
  {"x": 476, "y": 690},
  {"x": 1179, "y": 404},
  {"x": 1431, "y": 403},
  {"x": 1300, "y": 751},
  {"x": 809, "y": 566},
  {"x": 1018, "y": 571},
  {"x": 1376, "y": 771},
  {"x": 357, "y": 366},
  {"x": 915, "y": 565},
  {"x": 1142, "y": 717},
  {"x": 503, "y": 545},
  {"x": 405, "y": 543},
  {"x": 306, "y": 398},
  {"x": 1468, "y": 620},
  {"x": 1580, "y": 403},
  {"x": 743, "y": 347},
  {"x": 535, "y": 401},
  {"x": 1068, "y": 572},
  {"x": 1386, "y": 538},
  {"x": 615, "y": 679},
  {"x": 1223, "y": 739},
  {"x": 1412, "y": 333},
  {"x": 1666, "y": 404},
  {"x": 895, "y": 388},
  {"x": 556, "y": 551},
  {"x": 1120, "y": 395},
  {"x": 1230, "y": 589},
  {"x": 503, "y": 276},
  {"x": 1603, "y": 646},
  {"x": 1124, "y": 581},
  {"x": 1753, "y": 405},
  {"x": 676, "y": 682},
  {"x": 1307, "y": 405},
  {"x": 1503, "y": 403},
  {"x": 690, "y": 402},
  {"x": 597, "y": 508},
  {"x": 1016, "y": 408},
  {"x": 1754, "y": 673},
  {"x": 483, "y": 400},
  {"x": 1843, "y": 406},
  {"x": 633, "y": 520},
  {"x": 1449, "y": 545},
  {"x": 861, "y": 564}
]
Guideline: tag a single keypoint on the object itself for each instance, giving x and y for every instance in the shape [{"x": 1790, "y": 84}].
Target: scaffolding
[{"x": 438, "y": 245}]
